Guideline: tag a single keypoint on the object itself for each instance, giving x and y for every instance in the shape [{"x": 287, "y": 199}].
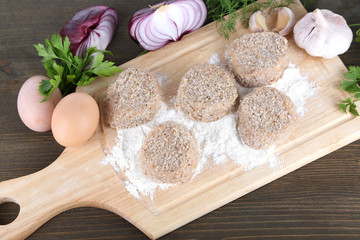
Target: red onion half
[
  {"x": 92, "y": 27},
  {"x": 157, "y": 25}
]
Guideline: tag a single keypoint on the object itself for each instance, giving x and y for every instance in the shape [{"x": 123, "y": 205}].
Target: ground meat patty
[
  {"x": 132, "y": 99},
  {"x": 266, "y": 117},
  {"x": 169, "y": 153},
  {"x": 258, "y": 59},
  {"x": 206, "y": 92}
]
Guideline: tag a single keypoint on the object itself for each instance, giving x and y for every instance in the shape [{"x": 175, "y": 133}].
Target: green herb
[
  {"x": 226, "y": 17},
  {"x": 352, "y": 86},
  {"x": 219, "y": 9},
  {"x": 357, "y": 39},
  {"x": 349, "y": 103},
  {"x": 67, "y": 71},
  {"x": 143, "y": 53},
  {"x": 308, "y": 3}
]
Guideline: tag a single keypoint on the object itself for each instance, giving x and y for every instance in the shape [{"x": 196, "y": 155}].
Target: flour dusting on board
[
  {"x": 297, "y": 87},
  {"x": 218, "y": 141},
  {"x": 214, "y": 59}
]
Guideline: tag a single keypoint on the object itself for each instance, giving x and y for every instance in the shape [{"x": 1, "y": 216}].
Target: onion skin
[
  {"x": 154, "y": 27},
  {"x": 92, "y": 27}
]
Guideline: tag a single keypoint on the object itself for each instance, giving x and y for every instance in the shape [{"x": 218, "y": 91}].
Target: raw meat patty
[
  {"x": 206, "y": 93},
  {"x": 132, "y": 99},
  {"x": 169, "y": 153},
  {"x": 257, "y": 59},
  {"x": 266, "y": 117}
]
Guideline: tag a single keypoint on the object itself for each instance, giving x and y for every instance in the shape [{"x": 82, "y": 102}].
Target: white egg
[{"x": 35, "y": 114}]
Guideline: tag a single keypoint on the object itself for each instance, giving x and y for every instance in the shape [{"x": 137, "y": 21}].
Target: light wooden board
[{"x": 78, "y": 179}]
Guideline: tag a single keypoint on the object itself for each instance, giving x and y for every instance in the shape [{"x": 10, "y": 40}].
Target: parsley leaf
[
  {"x": 85, "y": 80},
  {"x": 102, "y": 68},
  {"x": 353, "y": 110},
  {"x": 67, "y": 71},
  {"x": 343, "y": 106},
  {"x": 45, "y": 87},
  {"x": 351, "y": 85}
]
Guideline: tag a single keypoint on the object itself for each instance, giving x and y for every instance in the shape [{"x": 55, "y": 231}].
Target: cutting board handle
[
  {"x": 36, "y": 207},
  {"x": 61, "y": 186}
]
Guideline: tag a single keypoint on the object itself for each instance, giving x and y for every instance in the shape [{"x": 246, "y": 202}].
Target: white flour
[
  {"x": 297, "y": 87},
  {"x": 214, "y": 59},
  {"x": 217, "y": 140}
]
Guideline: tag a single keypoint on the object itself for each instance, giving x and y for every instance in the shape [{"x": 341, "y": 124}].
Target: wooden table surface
[{"x": 318, "y": 201}]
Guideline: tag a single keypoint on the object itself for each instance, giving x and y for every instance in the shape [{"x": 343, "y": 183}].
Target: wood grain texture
[{"x": 319, "y": 201}]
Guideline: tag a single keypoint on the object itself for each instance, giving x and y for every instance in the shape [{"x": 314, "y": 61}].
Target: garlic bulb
[
  {"x": 323, "y": 33},
  {"x": 285, "y": 21},
  {"x": 257, "y": 22}
]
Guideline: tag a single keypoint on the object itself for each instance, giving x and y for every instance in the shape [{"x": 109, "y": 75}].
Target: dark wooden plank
[{"x": 318, "y": 201}]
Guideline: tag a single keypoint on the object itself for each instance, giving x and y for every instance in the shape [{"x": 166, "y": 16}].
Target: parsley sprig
[
  {"x": 226, "y": 17},
  {"x": 351, "y": 85},
  {"x": 67, "y": 71}
]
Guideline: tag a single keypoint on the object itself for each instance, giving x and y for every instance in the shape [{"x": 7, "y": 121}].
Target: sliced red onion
[
  {"x": 157, "y": 25},
  {"x": 92, "y": 27}
]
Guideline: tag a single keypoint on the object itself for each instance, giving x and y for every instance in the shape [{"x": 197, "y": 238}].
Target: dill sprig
[
  {"x": 308, "y": 3},
  {"x": 226, "y": 17}
]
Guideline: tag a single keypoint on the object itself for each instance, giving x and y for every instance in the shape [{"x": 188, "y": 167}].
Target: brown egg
[{"x": 75, "y": 119}]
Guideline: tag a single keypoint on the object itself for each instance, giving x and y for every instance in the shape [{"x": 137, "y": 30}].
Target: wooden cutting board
[{"x": 77, "y": 178}]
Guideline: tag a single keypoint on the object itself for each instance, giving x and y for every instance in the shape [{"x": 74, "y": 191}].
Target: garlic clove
[
  {"x": 323, "y": 33},
  {"x": 257, "y": 22},
  {"x": 285, "y": 21}
]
